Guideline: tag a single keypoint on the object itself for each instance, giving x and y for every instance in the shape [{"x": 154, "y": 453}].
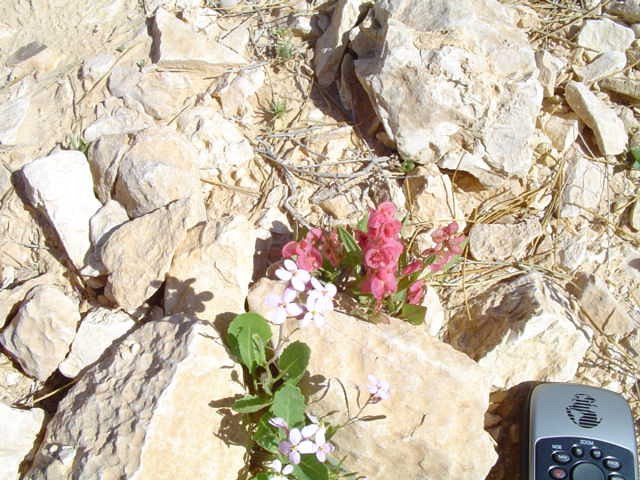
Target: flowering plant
[{"x": 373, "y": 263}]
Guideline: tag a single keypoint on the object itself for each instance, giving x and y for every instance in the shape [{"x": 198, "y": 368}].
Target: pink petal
[
  {"x": 285, "y": 447},
  {"x": 307, "y": 446}
]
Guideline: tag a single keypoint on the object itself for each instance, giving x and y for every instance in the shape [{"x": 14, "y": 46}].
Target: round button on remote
[
  {"x": 596, "y": 453},
  {"x": 586, "y": 471},
  {"x": 558, "y": 473},
  {"x": 561, "y": 457},
  {"x": 577, "y": 451}
]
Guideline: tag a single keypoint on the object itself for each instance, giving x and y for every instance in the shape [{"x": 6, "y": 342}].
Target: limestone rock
[
  {"x": 562, "y": 130},
  {"x": 443, "y": 71},
  {"x": 623, "y": 86},
  {"x": 95, "y": 67},
  {"x": 20, "y": 430},
  {"x": 550, "y": 66},
  {"x": 331, "y": 46},
  {"x": 33, "y": 57},
  {"x": 607, "y": 127},
  {"x": 14, "y": 385},
  {"x": 105, "y": 155},
  {"x": 634, "y": 217},
  {"x": 219, "y": 142},
  {"x": 603, "y": 66},
  {"x": 98, "y": 330},
  {"x": 604, "y": 35},
  {"x": 600, "y": 306},
  {"x": 585, "y": 184},
  {"x": 159, "y": 168},
  {"x": 11, "y": 298},
  {"x": 176, "y": 45},
  {"x": 211, "y": 270},
  {"x": 40, "y": 334},
  {"x": 107, "y": 219},
  {"x": 499, "y": 242},
  {"x": 138, "y": 254},
  {"x": 12, "y": 114},
  {"x": 235, "y": 98},
  {"x": 418, "y": 424},
  {"x": 61, "y": 185},
  {"x": 628, "y": 10},
  {"x": 145, "y": 411},
  {"x": 120, "y": 120},
  {"x": 522, "y": 329}
]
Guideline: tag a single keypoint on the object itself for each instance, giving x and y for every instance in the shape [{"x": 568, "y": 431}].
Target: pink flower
[
  {"x": 415, "y": 293},
  {"x": 448, "y": 245},
  {"x": 413, "y": 267}
]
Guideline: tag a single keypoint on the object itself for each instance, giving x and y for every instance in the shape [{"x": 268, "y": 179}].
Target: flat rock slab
[
  {"x": 40, "y": 334},
  {"x": 498, "y": 242},
  {"x": 435, "y": 416},
  {"x": 584, "y": 187},
  {"x": 20, "y": 429},
  {"x": 605, "y": 35},
  {"x": 603, "y": 66},
  {"x": 145, "y": 411},
  {"x": 61, "y": 186}
]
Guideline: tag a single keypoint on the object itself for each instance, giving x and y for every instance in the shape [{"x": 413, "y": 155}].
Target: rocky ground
[{"x": 156, "y": 155}]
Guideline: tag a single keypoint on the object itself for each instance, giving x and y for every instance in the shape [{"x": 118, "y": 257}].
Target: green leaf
[
  {"x": 267, "y": 436},
  {"x": 363, "y": 224},
  {"x": 293, "y": 361},
  {"x": 262, "y": 476},
  {"x": 288, "y": 403},
  {"x": 251, "y": 403},
  {"x": 348, "y": 242},
  {"x": 635, "y": 156},
  {"x": 414, "y": 314},
  {"x": 247, "y": 337},
  {"x": 310, "y": 468}
]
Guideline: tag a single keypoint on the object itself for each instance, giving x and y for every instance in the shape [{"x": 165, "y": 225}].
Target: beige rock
[
  {"x": 10, "y": 299},
  {"x": 607, "y": 127},
  {"x": 562, "y": 130},
  {"x": 138, "y": 254},
  {"x": 550, "y": 66},
  {"x": 211, "y": 270},
  {"x": 117, "y": 121},
  {"x": 105, "y": 221},
  {"x": 628, "y": 10},
  {"x": 176, "y": 45},
  {"x": 634, "y": 217},
  {"x": 149, "y": 409},
  {"x": 585, "y": 184},
  {"x": 14, "y": 385},
  {"x": 235, "y": 99},
  {"x": 623, "y": 86},
  {"x": 418, "y": 423},
  {"x": 96, "y": 67},
  {"x": 604, "y": 35},
  {"x": 600, "y": 306},
  {"x": 604, "y": 65},
  {"x": 99, "y": 329},
  {"x": 12, "y": 115},
  {"x": 61, "y": 185},
  {"x": 33, "y": 57},
  {"x": 40, "y": 334},
  {"x": 499, "y": 242},
  {"x": 20, "y": 430},
  {"x": 105, "y": 156},
  {"x": 522, "y": 329},
  {"x": 436, "y": 80},
  {"x": 331, "y": 46},
  {"x": 159, "y": 168},
  {"x": 435, "y": 317}
]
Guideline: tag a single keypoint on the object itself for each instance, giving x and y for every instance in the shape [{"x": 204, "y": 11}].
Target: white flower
[
  {"x": 281, "y": 470},
  {"x": 323, "y": 293},
  {"x": 315, "y": 313},
  {"x": 282, "y": 306},
  {"x": 323, "y": 448},
  {"x": 291, "y": 273},
  {"x": 379, "y": 389},
  {"x": 295, "y": 446}
]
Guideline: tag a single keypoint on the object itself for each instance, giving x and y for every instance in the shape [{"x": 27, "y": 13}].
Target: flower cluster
[
  {"x": 447, "y": 246},
  {"x": 378, "y": 389},
  {"x": 310, "y": 439},
  {"x": 381, "y": 247},
  {"x": 319, "y": 297},
  {"x": 311, "y": 251}
]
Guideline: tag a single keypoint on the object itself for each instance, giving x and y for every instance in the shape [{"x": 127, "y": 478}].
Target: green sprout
[
  {"x": 76, "y": 142},
  {"x": 284, "y": 46},
  {"x": 277, "y": 108}
]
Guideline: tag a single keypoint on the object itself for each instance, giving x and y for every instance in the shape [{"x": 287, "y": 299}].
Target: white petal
[
  {"x": 307, "y": 446},
  {"x": 331, "y": 290},
  {"x": 276, "y": 465},
  {"x": 283, "y": 274},
  {"x": 310, "y": 430},
  {"x": 289, "y": 295},
  {"x": 315, "y": 283},
  {"x": 321, "y": 456},
  {"x": 319, "y": 320},
  {"x": 288, "y": 469},
  {"x": 305, "y": 321},
  {"x": 295, "y": 436},
  {"x": 277, "y": 316},
  {"x": 384, "y": 385},
  {"x": 290, "y": 265},
  {"x": 272, "y": 300},
  {"x": 372, "y": 379},
  {"x": 312, "y": 418},
  {"x": 294, "y": 457},
  {"x": 293, "y": 309},
  {"x": 298, "y": 284},
  {"x": 320, "y": 438},
  {"x": 303, "y": 275}
]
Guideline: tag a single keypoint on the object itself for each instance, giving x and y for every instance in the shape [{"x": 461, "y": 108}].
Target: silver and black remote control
[{"x": 577, "y": 432}]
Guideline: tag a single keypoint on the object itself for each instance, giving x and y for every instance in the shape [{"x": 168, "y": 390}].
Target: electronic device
[{"x": 576, "y": 432}]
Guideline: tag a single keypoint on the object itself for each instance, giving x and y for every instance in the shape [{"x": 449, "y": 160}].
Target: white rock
[
  {"x": 211, "y": 270},
  {"x": 585, "y": 184},
  {"x": 604, "y": 35},
  {"x": 606, "y": 125},
  {"x": 12, "y": 115},
  {"x": 176, "y": 45},
  {"x": 499, "y": 242},
  {"x": 624, "y": 86},
  {"x": 149, "y": 409},
  {"x": 138, "y": 254},
  {"x": 331, "y": 46},
  {"x": 11, "y": 298},
  {"x": 40, "y": 334},
  {"x": 104, "y": 156},
  {"x": 159, "y": 168},
  {"x": 220, "y": 144},
  {"x": 628, "y": 10},
  {"x": 61, "y": 185},
  {"x": 110, "y": 216},
  {"x": 33, "y": 58},
  {"x": 562, "y": 130},
  {"x": 15, "y": 386},
  {"x": 300, "y": 25},
  {"x": 96, "y": 67},
  {"x": 523, "y": 329},
  {"x": 550, "y": 66},
  {"x": 20, "y": 430},
  {"x": 98, "y": 330},
  {"x": 603, "y": 66},
  {"x": 634, "y": 217},
  {"x": 435, "y": 79},
  {"x": 119, "y": 121},
  {"x": 397, "y": 445},
  {"x": 235, "y": 98},
  {"x": 436, "y": 316}
]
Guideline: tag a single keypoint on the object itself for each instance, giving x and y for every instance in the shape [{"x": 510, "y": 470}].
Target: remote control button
[
  {"x": 558, "y": 473},
  {"x": 612, "y": 463},
  {"x": 586, "y": 471},
  {"x": 615, "y": 477},
  {"x": 596, "y": 453},
  {"x": 561, "y": 458},
  {"x": 577, "y": 451}
]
